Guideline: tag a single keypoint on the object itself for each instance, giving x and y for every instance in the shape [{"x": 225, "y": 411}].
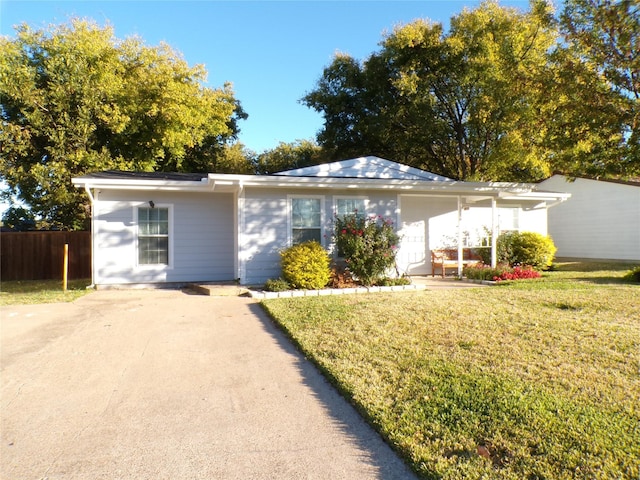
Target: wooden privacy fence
[{"x": 40, "y": 255}]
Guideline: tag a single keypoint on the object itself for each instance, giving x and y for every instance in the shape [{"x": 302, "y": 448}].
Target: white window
[
  {"x": 351, "y": 205},
  {"x": 509, "y": 219},
  {"x": 153, "y": 236},
  {"x": 306, "y": 219}
]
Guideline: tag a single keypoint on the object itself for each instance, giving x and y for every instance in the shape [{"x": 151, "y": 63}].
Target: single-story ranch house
[
  {"x": 600, "y": 221},
  {"x": 178, "y": 228}
]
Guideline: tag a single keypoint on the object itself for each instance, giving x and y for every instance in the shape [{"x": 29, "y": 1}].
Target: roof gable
[{"x": 365, "y": 167}]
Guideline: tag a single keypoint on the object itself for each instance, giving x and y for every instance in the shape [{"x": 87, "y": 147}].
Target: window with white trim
[
  {"x": 306, "y": 219},
  {"x": 153, "y": 236},
  {"x": 350, "y": 205},
  {"x": 509, "y": 219}
]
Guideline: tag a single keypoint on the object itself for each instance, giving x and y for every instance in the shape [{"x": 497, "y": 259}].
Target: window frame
[
  {"x": 514, "y": 215},
  {"x": 170, "y": 237},
  {"x": 364, "y": 198},
  {"x": 321, "y": 227}
]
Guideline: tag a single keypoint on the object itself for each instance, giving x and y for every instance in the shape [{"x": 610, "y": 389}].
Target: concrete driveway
[{"x": 166, "y": 385}]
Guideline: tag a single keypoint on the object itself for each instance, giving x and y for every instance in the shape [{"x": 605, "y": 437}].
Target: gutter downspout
[
  {"x": 93, "y": 253},
  {"x": 239, "y": 260},
  {"x": 460, "y": 249}
]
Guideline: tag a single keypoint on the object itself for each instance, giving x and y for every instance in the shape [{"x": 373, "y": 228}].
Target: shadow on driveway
[{"x": 162, "y": 384}]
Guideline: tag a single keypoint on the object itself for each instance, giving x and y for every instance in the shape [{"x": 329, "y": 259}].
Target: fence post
[{"x": 65, "y": 267}]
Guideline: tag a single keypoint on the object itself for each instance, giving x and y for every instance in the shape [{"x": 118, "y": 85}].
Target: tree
[
  {"x": 287, "y": 156},
  {"x": 74, "y": 99},
  {"x": 605, "y": 36},
  {"x": 19, "y": 219},
  {"x": 462, "y": 104}
]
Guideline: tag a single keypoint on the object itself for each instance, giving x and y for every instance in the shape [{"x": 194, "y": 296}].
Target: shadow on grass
[
  {"x": 586, "y": 266},
  {"x": 597, "y": 273}
]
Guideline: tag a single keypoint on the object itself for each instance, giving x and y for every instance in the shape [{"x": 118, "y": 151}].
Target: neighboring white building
[
  {"x": 178, "y": 228},
  {"x": 600, "y": 221}
]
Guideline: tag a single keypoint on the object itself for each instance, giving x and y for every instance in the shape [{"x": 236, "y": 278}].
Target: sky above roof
[{"x": 273, "y": 52}]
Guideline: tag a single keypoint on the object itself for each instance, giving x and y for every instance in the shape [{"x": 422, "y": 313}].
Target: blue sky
[{"x": 273, "y": 52}]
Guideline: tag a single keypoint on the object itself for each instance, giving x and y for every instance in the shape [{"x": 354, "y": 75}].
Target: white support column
[
  {"x": 460, "y": 249},
  {"x": 494, "y": 233}
]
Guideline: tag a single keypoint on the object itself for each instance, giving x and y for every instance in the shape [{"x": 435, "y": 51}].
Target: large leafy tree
[
  {"x": 600, "y": 63},
  {"x": 75, "y": 99},
  {"x": 462, "y": 103},
  {"x": 287, "y": 156}
]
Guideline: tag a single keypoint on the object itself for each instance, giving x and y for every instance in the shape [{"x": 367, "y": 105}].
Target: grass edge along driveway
[
  {"x": 528, "y": 380},
  {"x": 31, "y": 292}
]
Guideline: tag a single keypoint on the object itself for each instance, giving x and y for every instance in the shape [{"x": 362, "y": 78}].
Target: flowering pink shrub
[{"x": 368, "y": 245}]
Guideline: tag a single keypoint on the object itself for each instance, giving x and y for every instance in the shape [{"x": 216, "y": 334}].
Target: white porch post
[
  {"x": 460, "y": 250},
  {"x": 494, "y": 233}
]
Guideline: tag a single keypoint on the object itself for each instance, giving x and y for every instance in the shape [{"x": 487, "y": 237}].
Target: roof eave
[{"x": 143, "y": 184}]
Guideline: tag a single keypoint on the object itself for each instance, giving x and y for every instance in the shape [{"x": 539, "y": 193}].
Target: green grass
[
  {"x": 526, "y": 380},
  {"x": 41, "y": 291}
]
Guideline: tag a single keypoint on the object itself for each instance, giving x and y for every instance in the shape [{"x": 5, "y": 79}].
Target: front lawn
[
  {"x": 41, "y": 291},
  {"x": 527, "y": 380}
]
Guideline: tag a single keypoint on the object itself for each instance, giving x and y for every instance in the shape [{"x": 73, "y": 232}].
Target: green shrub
[
  {"x": 484, "y": 254},
  {"x": 306, "y": 266},
  {"x": 392, "y": 282},
  {"x": 633, "y": 275},
  {"x": 482, "y": 272},
  {"x": 525, "y": 248},
  {"x": 276, "y": 285},
  {"x": 368, "y": 245}
]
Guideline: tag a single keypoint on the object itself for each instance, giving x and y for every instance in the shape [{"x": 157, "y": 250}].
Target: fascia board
[
  {"x": 129, "y": 184},
  {"x": 536, "y": 196},
  {"x": 452, "y": 187}
]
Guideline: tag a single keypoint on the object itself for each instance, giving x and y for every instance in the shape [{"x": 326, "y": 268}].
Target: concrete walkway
[{"x": 166, "y": 385}]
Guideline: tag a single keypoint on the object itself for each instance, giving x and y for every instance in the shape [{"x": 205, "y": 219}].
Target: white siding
[
  {"x": 201, "y": 240},
  {"x": 264, "y": 225},
  {"x": 429, "y": 223},
  {"x": 425, "y": 223},
  {"x": 601, "y": 220}
]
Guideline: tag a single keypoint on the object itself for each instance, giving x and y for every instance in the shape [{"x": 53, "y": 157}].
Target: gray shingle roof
[{"x": 171, "y": 176}]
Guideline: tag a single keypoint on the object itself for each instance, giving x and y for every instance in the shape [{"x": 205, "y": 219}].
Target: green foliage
[
  {"x": 482, "y": 272},
  {"x": 594, "y": 121},
  {"x": 608, "y": 32},
  {"x": 392, "y": 282},
  {"x": 633, "y": 275},
  {"x": 276, "y": 285},
  {"x": 287, "y": 156},
  {"x": 500, "y": 96},
  {"x": 526, "y": 248},
  {"x": 74, "y": 99},
  {"x": 306, "y": 266},
  {"x": 462, "y": 104},
  {"x": 491, "y": 383},
  {"x": 368, "y": 245},
  {"x": 19, "y": 219}
]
